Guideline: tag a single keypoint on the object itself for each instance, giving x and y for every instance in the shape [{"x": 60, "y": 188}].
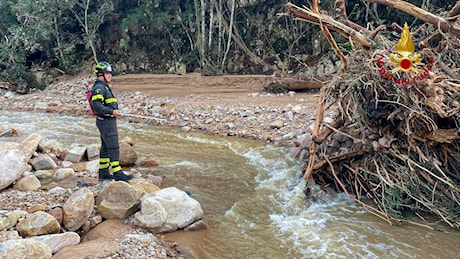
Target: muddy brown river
[{"x": 252, "y": 196}]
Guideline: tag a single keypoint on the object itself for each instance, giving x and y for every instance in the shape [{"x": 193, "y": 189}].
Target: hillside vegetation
[{"x": 45, "y": 39}]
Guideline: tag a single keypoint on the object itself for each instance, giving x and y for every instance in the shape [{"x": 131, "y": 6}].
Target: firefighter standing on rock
[{"x": 105, "y": 106}]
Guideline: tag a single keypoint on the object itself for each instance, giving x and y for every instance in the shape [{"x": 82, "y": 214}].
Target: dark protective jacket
[{"x": 104, "y": 102}]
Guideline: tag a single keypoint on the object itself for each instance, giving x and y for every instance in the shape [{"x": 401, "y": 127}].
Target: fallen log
[
  {"x": 286, "y": 85},
  {"x": 293, "y": 84}
]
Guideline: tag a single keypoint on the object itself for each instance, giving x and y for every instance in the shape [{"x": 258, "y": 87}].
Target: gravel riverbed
[{"x": 280, "y": 119}]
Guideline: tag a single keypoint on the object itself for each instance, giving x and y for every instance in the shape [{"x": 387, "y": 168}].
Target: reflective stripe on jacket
[{"x": 104, "y": 102}]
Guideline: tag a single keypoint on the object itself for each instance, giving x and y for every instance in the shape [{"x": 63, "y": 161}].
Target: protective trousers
[{"x": 110, "y": 150}]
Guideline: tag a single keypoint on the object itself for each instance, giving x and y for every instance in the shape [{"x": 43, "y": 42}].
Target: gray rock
[
  {"x": 76, "y": 154},
  {"x": 63, "y": 173},
  {"x": 51, "y": 146},
  {"x": 118, "y": 200},
  {"x": 57, "y": 191},
  {"x": 181, "y": 209},
  {"x": 38, "y": 223},
  {"x": 152, "y": 215},
  {"x": 9, "y": 94},
  {"x": 13, "y": 166},
  {"x": 58, "y": 241},
  {"x": 78, "y": 208},
  {"x": 128, "y": 155},
  {"x": 30, "y": 145},
  {"x": 92, "y": 151},
  {"x": 43, "y": 162},
  {"x": 24, "y": 249},
  {"x": 28, "y": 183},
  {"x": 43, "y": 174},
  {"x": 92, "y": 166}
]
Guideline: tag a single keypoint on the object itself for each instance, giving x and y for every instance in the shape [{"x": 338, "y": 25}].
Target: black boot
[
  {"x": 121, "y": 176},
  {"x": 104, "y": 174}
]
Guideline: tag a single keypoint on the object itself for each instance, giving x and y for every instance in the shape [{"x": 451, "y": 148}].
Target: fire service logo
[{"x": 406, "y": 61}]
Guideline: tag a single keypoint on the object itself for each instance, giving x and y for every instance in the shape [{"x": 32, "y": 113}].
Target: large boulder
[
  {"x": 181, "y": 210},
  {"x": 152, "y": 215},
  {"x": 13, "y": 164},
  {"x": 118, "y": 200},
  {"x": 24, "y": 249},
  {"x": 98, "y": 242},
  {"x": 77, "y": 209},
  {"x": 58, "y": 241},
  {"x": 38, "y": 223},
  {"x": 30, "y": 145}
]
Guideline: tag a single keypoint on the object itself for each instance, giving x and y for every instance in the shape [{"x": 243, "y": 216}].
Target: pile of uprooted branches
[
  {"x": 397, "y": 145},
  {"x": 394, "y": 143}
]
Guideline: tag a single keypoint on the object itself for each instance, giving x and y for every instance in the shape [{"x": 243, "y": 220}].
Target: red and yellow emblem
[{"x": 405, "y": 59}]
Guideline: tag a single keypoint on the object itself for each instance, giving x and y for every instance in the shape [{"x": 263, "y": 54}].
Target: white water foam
[{"x": 328, "y": 229}]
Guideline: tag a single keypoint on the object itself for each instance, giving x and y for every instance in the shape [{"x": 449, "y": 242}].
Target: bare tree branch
[
  {"x": 341, "y": 15},
  {"x": 453, "y": 16},
  {"x": 441, "y": 23},
  {"x": 348, "y": 32},
  {"x": 234, "y": 34}
]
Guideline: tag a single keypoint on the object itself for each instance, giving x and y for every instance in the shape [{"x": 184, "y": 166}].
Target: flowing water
[{"x": 252, "y": 196}]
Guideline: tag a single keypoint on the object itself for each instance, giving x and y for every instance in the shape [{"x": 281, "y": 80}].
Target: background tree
[
  {"x": 90, "y": 15},
  {"x": 23, "y": 43},
  {"x": 176, "y": 36}
]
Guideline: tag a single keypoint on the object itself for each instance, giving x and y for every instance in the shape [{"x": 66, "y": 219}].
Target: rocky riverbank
[
  {"x": 280, "y": 119},
  {"x": 277, "y": 119},
  {"x": 54, "y": 206}
]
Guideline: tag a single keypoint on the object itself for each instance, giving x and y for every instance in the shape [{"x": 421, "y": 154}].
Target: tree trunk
[
  {"x": 211, "y": 26},
  {"x": 88, "y": 34},
  {"x": 203, "y": 25},
  {"x": 221, "y": 30},
  {"x": 91, "y": 29},
  {"x": 58, "y": 40},
  {"x": 230, "y": 33},
  {"x": 199, "y": 44},
  {"x": 442, "y": 24},
  {"x": 233, "y": 34}
]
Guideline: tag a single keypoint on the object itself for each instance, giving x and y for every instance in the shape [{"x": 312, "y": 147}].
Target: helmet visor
[{"x": 108, "y": 69}]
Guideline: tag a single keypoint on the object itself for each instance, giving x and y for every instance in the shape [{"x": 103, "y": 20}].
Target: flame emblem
[{"x": 405, "y": 59}]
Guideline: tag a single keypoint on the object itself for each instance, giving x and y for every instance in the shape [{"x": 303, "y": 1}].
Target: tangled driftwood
[{"x": 394, "y": 145}]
